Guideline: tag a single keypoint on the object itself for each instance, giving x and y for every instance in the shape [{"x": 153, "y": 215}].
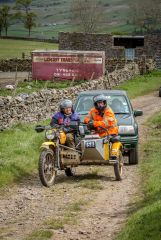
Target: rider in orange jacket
[{"x": 101, "y": 116}]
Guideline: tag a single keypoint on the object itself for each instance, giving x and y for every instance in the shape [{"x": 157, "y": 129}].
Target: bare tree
[
  {"x": 145, "y": 14},
  {"x": 25, "y": 14},
  {"x": 29, "y": 21},
  {"x": 86, "y": 14},
  {"x": 6, "y": 17},
  {"x": 23, "y": 5},
  {"x": 1, "y": 21}
]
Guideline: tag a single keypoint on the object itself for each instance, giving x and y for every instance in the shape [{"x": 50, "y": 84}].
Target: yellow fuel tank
[{"x": 62, "y": 137}]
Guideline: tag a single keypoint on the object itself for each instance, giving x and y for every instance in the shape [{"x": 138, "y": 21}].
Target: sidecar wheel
[
  {"x": 118, "y": 167},
  {"x": 47, "y": 172},
  {"x": 69, "y": 172}
]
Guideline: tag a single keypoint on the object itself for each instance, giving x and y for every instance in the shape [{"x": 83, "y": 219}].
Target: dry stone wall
[
  {"x": 104, "y": 42},
  {"x": 25, "y": 65},
  {"x": 41, "y": 105},
  {"x": 10, "y": 65}
]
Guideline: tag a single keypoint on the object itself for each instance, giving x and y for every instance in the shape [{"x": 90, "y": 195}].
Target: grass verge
[
  {"x": 19, "y": 152},
  {"x": 142, "y": 85},
  {"x": 144, "y": 223}
]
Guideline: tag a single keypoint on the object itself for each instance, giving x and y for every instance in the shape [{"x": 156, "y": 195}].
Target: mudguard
[
  {"x": 106, "y": 151},
  {"x": 47, "y": 145}
]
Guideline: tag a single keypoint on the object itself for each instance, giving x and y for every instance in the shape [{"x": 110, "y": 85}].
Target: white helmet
[{"x": 66, "y": 104}]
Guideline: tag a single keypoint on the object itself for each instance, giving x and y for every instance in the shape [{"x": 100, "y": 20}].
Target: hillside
[{"x": 54, "y": 16}]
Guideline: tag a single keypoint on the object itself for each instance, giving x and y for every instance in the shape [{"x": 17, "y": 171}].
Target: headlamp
[{"x": 50, "y": 134}]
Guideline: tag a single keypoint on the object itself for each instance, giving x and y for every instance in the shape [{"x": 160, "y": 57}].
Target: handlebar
[
  {"x": 40, "y": 128},
  {"x": 73, "y": 126}
]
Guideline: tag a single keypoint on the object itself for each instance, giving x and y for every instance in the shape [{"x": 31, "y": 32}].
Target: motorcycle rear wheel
[
  {"x": 47, "y": 172},
  {"x": 118, "y": 167}
]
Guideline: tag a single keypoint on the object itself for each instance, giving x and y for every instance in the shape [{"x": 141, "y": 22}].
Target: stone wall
[
  {"x": 90, "y": 42},
  {"x": 10, "y": 65},
  {"x": 145, "y": 65},
  {"x": 40, "y": 105},
  {"x": 25, "y": 65},
  {"x": 104, "y": 42}
]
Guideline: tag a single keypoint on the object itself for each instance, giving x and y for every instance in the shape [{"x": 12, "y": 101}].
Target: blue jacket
[{"x": 61, "y": 119}]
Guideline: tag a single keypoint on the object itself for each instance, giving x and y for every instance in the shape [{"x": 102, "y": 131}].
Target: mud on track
[{"x": 25, "y": 207}]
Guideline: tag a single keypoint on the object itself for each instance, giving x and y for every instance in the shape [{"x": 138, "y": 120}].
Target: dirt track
[
  {"x": 25, "y": 207},
  {"x": 7, "y": 78}
]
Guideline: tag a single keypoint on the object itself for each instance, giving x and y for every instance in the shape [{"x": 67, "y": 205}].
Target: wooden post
[
  {"x": 16, "y": 83},
  {"x": 45, "y": 85},
  {"x": 92, "y": 76},
  {"x": 72, "y": 82},
  {"x": 29, "y": 76}
]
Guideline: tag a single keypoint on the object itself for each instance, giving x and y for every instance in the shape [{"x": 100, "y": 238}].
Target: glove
[
  {"x": 90, "y": 125},
  {"x": 66, "y": 129}
]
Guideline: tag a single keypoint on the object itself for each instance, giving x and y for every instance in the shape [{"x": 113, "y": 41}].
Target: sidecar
[{"x": 95, "y": 151}]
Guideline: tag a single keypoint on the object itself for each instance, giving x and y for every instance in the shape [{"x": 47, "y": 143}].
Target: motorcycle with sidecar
[{"x": 89, "y": 149}]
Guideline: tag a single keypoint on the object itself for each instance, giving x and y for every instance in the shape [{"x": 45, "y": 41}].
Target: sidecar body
[{"x": 96, "y": 150}]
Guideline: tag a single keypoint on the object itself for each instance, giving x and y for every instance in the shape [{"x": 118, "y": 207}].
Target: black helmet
[
  {"x": 100, "y": 98},
  {"x": 66, "y": 104}
]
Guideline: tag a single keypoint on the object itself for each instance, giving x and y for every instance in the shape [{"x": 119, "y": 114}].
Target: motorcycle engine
[{"x": 70, "y": 158}]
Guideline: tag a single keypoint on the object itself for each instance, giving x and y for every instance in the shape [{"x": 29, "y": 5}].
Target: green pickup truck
[{"x": 121, "y": 105}]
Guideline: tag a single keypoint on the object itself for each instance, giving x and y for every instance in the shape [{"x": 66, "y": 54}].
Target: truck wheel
[
  {"x": 69, "y": 172},
  {"x": 133, "y": 156},
  {"x": 118, "y": 167},
  {"x": 160, "y": 92},
  {"x": 47, "y": 172}
]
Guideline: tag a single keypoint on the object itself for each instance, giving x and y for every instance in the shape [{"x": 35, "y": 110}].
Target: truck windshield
[{"x": 118, "y": 103}]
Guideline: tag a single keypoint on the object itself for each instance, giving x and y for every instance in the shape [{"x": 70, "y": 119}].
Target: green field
[
  {"x": 41, "y": 32},
  {"x": 55, "y": 16},
  {"x": 19, "y": 149},
  {"x": 15, "y": 48},
  {"x": 145, "y": 222}
]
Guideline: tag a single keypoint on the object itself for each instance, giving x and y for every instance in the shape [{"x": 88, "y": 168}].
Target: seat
[{"x": 115, "y": 138}]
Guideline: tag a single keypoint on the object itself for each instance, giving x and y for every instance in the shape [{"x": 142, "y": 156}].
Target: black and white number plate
[{"x": 90, "y": 144}]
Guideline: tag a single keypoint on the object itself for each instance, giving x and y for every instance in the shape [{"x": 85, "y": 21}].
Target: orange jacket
[{"x": 106, "y": 119}]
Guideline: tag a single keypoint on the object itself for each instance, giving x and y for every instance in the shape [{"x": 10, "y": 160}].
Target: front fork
[
  {"x": 57, "y": 152},
  {"x": 53, "y": 145}
]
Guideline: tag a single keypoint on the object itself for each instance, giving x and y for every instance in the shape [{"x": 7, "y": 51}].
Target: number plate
[{"x": 90, "y": 144}]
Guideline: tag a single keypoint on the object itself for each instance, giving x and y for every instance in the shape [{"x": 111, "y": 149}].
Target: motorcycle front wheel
[
  {"x": 118, "y": 167},
  {"x": 47, "y": 172}
]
